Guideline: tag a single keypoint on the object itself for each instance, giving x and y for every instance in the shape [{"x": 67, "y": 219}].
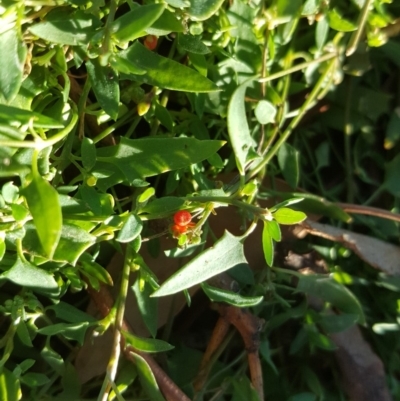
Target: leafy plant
[{"x": 125, "y": 127}]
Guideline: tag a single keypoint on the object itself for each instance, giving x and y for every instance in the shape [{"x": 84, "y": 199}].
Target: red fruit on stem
[{"x": 182, "y": 218}]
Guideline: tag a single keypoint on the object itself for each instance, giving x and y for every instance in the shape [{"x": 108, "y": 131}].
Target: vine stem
[
  {"x": 293, "y": 124},
  {"x": 119, "y": 323}
]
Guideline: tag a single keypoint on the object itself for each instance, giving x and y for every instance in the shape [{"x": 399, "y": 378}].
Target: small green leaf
[
  {"x": 288, "y": 159},
  {"x": 144, "y": 197},
  {"x": 12, "y": 114},
  {"x": 392, "y": 181},
  {"x": 192, "y": 44},
  {"x": 337, "y": 323},
  {"x": 132, "y": 24},
  {"x": 238, "y": 128},
  {"x": 337, "y": 22},
  {"x": 288, "y": 216},
  {"x": 104, "y": 81},
  {"x": 163, "y": 206},
  {"x": 88, "y": 153},
  {"x": 131, "y": 228},
  {"x": 165, "y": 73},
  {"x": 265, "y": 112},
  {"x": 25, "y": 274},
  {"x": 333, "y": 292},
  {"x": 229, "y": 297},
  {"x": 45, "y": 208},
  {"x": 69, "y": 313},
  {"x": 166, "y": 24},
  {"x": 146, "y": 344},
  {"x": 287, "y": 202},
  {"x": 74, "y": 29},
  {"x": 93, "y": 269},
  {"x": 148, "y": 307},
  {"x": 71, "y": 331},
  {"x": 34, "y": 380},
  {"x": 147, "y": 379},
  {"x": 10, "y": 389},
  {"x": 12, "y": 60},
  {"x": 226, "y": 253},
  {"x": 273, "y": 229},
  {"x": 268, "y": 246},
  {"x": 202, "y": 10}
]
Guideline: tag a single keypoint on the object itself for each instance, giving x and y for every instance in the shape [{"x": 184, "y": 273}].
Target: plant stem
[{"x": 295, "y": 121}]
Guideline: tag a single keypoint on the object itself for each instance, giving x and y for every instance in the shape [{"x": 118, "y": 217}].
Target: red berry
[
  {"x": 177, "y": 230},
  {"x": 182, "y": 218},
  {"x": 150, "y": 42}
]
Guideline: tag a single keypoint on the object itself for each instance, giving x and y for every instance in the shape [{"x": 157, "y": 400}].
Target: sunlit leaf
[
  {"x": 104, "y": 81},
  {"x": 285, "y": 215},
  {"x": 146, "y": 344},
  {"x": 165, "y": 73},
  {"x": 267, "y": 245},
  {"x": 12, "y": 60},
  {"x": 45, "y": 208},
  {"x": 28, "y": 275},
  {"x": 226, "y": 253},
  {"x": 229, "y": 297},
  {"x": 132, "y": 24}
]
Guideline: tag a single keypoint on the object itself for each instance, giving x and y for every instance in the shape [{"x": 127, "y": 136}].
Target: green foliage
[{"x": 103, "y": 139}]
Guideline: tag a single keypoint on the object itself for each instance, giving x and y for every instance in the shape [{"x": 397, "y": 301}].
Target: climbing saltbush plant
[{"x": 125, "y": 125}]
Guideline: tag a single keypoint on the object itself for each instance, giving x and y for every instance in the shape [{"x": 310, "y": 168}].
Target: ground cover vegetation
[{"x": 199, "y": 200}]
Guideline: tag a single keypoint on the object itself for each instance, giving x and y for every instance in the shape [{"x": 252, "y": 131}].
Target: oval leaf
[
  {"x": 226, "y": 253},
  {"x": 146, "y": 344},
  {"x": 165, "y": 73},
  {"x": 132, "y": 24},
  {"x": 229, "y": 297},
  {"x": 104, "y": 81},
  {"x": 146, "y": 157},
  {"x": 288, "y": 216},
  {"x": 238, "y": 128},
  {"x": 45, "y": 208},
  {"x": 25, "y": 274},
  {"x": 12, "y": 61},
  {"x": 265, "y": 112},
  {"x": 130, "y": 229},
  {"x": 268, "y": 246}
]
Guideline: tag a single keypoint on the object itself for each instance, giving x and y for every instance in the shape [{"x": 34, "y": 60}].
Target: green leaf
[
  {"x": 27, "y": 275},
  {"x": 202, "y": 10},
  {"x": 146, "y": 344},
  {"x": 93, "y": 269},
  {"x": 146, "y": 157},
  {"x": 337, "y": 22},
  {"x": 273, "y": 229},
  {"x": 88, "y": 153},
  {"x": 238, "y": 128},
  {"x": 192, "y": 44},
  {"x": 147, "y": 379},
  {"x": 165, "y": 73},
  {"x": 285, "y": 215},
  {"x": 132, "y": 24},
  {"x": 69, "y": 313},
  {"x": 10, "y": 389},
  {"x": 34, "y": 380},
  {"x": 104, "y": 81},
  {"x": 74, "y": 29},
  {"x": 12, "y": 60},
  {"x": 226, "y": 253},
  {"x": 166, "y": 24},
  {"x": 164, "y": 206},
  {"x": 265, "y": 112},
  {"x": 268, "y": 245},
  {"x": 229, "y": 297},
  {"x": 148, "y": 307},
  {"x": 20, "y": 116},
  {"x": 45, "y": 208},
  {"x": 288, "y": 159},
  {"x": 131, "y": 228},
  {"x": 331, "y": 291},
  {"x": 71, "y": 331},
  {"x": 337, "y": 323}
]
